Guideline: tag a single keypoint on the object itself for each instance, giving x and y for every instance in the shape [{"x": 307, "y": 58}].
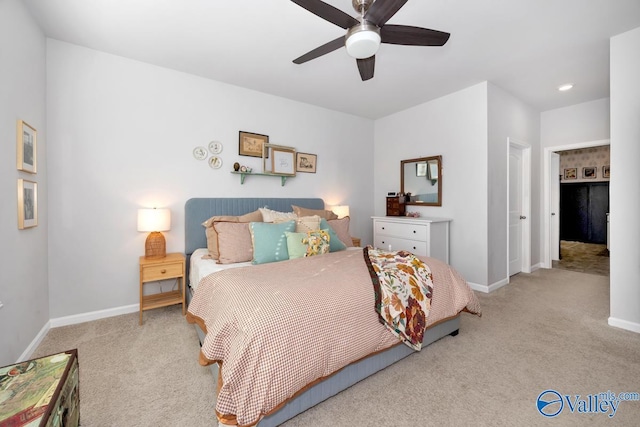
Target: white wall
[
  {"x": 121, "y": 135},
  {"x": 588, "y": 121},
  {"x": 623, "y": 190},
  {"x": 509, "y": 118},
  {"x": 23, "y": 253},
  {"x": 454, "y": 126}
]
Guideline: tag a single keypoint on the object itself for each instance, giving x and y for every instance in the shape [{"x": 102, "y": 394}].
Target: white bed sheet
[{"x": 200, "y": 268}]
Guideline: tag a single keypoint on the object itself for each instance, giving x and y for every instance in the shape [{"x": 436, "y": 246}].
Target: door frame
[
  {"x": 525, "y": 229},
  {"x": 546, "y": 192}
]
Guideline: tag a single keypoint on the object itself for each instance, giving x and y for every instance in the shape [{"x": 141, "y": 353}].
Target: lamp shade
[
  {"x": 363, "y": 41},
  {"x": 154, "y": 219},
  {"x": 341, "y": 210}
]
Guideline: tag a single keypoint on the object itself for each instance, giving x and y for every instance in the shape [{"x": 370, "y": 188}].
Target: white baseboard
[
  {"x": 93, "y": 315},
  {"x": 26, "y": 355},
  {"x": 489, "y": 288},
  {"x": 624, "y": 324}
]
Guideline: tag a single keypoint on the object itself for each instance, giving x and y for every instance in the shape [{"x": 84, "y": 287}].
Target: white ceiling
[{"x": 527, "y": 47}]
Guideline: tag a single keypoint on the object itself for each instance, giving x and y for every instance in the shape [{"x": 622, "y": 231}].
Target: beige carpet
[{"x": 546, "y": 330}]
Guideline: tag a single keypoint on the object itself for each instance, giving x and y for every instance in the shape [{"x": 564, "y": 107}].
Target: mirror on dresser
[{"x": 422, "y": 178}]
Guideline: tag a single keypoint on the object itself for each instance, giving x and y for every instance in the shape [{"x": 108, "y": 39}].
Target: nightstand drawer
[{"x": 161, "y": 272}]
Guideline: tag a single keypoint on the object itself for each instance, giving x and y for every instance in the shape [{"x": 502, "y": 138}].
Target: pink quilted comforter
[{"x": 278, "y": 328}]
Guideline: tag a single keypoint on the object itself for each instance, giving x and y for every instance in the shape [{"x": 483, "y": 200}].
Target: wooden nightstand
[
  {"x": 356, "y": 241},
  {"x": 170, "y": 267}
]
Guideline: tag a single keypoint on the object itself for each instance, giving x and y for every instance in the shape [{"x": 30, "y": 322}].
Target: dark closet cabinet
[{"x": 583, "y": 211}]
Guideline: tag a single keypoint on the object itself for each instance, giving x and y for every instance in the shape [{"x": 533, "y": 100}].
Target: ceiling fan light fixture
[{"x": 363, "y": 41}]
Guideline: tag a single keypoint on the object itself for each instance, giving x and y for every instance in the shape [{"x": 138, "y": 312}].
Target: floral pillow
[{"x": 307, "y": 244}]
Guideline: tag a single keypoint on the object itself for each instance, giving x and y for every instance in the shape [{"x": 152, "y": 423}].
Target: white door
[
  {"x": 515, "y": 210},
  {"x": 554, "y": 238}
]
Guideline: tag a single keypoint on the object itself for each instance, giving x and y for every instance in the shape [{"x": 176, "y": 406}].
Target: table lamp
[
  {"x": 341, "y": 210},
  {"x": 154, "y": 220}
]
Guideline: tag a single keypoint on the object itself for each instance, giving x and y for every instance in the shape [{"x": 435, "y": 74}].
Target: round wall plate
[
  {"x": 215, "y": 162},
  {"x": 215, "y": 147},
  {"x": 200, "y": 153}
]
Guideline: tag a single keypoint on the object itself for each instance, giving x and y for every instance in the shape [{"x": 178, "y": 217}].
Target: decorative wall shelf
[{"x": 243, "y": 175}]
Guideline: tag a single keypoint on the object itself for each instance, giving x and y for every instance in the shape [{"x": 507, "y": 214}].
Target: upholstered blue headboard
[{"x": 198, "y": 210}]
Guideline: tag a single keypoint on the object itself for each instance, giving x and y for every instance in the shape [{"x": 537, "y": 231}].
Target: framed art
[
  {"x": 589, "y": 172},
  {"x": 282, "y": 160},
  {"x": 421, "y": 169},
  {"x": 606, "y": 172},
  {"x": 26, "y": 147},
  {"x": 27, "y": 204},
  {"x": 571, "y": 173},
  {"x": 306, "y": 162},
  {"x": 250, "y": 144}
]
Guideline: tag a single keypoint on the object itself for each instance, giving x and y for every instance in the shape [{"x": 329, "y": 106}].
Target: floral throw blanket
[{"x": 403, "y": 288}]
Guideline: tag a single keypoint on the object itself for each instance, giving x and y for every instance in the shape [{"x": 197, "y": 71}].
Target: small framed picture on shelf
[
  {"x": 26, "y": 147},
  {"x": 306, "y": 162},
  {"x": 250, "y": 144},
  {"x": 27, "y": 204},
  {"x": 605, "y": 172},
  {"x": 571, "y": 173},
  {"x": 283, "y": 160},
  {"x": 589, "y": 172}
]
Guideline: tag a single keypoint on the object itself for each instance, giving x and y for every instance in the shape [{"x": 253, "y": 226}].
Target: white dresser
[{"x": 426, "y": 236}]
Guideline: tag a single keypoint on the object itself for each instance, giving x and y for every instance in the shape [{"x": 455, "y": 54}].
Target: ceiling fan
[{"x": 364, "y": 36}]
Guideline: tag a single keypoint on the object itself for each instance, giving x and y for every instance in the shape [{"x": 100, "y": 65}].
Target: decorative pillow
[
  {"x": 334, "y": 242},
  {"x": 317, "y": 242},
  {"x": 234, "y": 242},
  {"x": 341, "y": 227},
  {"x": 308, "y": 223},
  {"x": 212, "y": 235},
  {"x": 307, "y": 244},
  {"x": 269, "y": 215},
  {"x": 322, "y": 213},
  {"x": 270, "y": 241}
]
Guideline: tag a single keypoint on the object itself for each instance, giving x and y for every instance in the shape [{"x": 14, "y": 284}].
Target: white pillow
[{"x": 274, "y": 216}]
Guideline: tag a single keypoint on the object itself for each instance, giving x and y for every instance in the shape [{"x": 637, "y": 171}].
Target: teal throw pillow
[
  {"x": 269, "y": 241},
  {"x": 335, "y": 244}
]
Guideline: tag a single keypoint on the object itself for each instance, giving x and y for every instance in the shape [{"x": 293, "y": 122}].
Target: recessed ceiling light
[{"x": 565, "y": 87}]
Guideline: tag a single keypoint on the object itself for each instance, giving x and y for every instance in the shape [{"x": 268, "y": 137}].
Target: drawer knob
[
  {"x": 383, "y": 228},
  {"x": 163, "y": 271},
  {"x": 414, "y": 231},
  {"x": 383, "y": 242},
  {"x": 414, "y": 247}
]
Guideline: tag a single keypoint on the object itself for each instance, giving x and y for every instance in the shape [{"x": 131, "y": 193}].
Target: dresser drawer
[
  {"x": 403, "y": 231},
  {"x": 415, "y": 247},
  {"x": 161, "y": 272}
]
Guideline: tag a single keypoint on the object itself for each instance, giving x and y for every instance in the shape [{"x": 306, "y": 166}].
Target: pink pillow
[
  {"x": 341, "y": 227},
  {"x": 234, "y": 242}
]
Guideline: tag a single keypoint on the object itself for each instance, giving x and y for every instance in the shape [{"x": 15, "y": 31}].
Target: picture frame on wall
[
  {"x": 589, "y": 172},
  {"x": 27, "y": 204},
  {"x": 251, "y": 144},
  {"x": 571, "y": 173},
  {"x": 306, "y": 162},
  {"x": 283, "y": 161},
  {"x": 606, "y": 172},
  {"x": 26, "y": 147}
]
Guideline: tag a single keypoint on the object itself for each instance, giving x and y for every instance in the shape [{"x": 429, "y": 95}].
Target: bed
[{"x": 204, "y": 271}]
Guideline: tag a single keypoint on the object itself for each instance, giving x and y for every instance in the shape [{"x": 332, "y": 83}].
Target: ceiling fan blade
[
  {"x": 322, "y": 50},
  {"x": 412, "y": 36},
  {"x": 382, "y": 10},
  {"x": 328, "y": 13},
  {"x": 366, "y": 67}
]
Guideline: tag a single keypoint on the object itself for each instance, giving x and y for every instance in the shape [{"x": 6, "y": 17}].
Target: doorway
[{"x": 551, "y": 206}]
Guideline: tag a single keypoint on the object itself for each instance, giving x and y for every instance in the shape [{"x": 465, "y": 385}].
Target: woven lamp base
[{"x": 155, "y": 245}]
